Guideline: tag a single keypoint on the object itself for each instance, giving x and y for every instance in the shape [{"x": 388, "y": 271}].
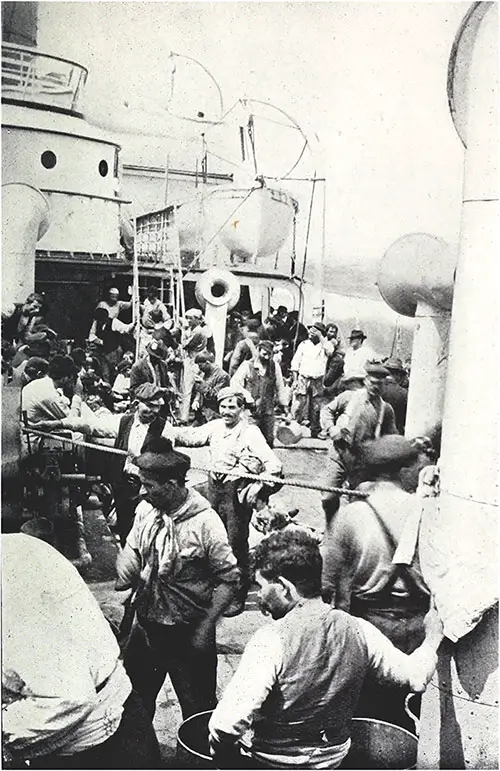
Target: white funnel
[{"x": 25, "y": 219}]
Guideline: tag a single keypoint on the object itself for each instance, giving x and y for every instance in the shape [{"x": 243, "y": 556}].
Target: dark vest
[
  {"x": 325, "y": 661},
  {"x": 262, "y": 387},
  {"x": 121, "y": 442}
]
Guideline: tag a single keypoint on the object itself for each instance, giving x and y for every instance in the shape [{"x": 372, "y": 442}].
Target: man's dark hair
[
  {"x": 203, "y": 357},
  {"x": 293, "y": 554}
]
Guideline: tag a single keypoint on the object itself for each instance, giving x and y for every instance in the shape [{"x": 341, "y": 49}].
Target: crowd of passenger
[{"x": 353, "y": 628}]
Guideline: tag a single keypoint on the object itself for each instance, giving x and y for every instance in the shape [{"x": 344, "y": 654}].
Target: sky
[{"x": 368, "y": 78}]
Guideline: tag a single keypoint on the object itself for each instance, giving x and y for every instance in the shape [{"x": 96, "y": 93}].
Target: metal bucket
[
  {"x": 375, "y": 744},
  {"x": 291, "y": 432}
]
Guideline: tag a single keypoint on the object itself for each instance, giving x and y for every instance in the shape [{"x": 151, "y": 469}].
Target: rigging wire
[{"x": 304, "y": 263}]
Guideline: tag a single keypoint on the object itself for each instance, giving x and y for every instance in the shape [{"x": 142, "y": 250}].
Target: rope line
[{"x": 267, "y": 479}]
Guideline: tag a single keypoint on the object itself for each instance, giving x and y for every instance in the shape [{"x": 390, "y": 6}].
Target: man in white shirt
[
  {"x": 235, "y": 446},
  {"x": 66, "y": 699},
  {"x": 358, "y": 354},
  {"x": 298, "y": 681},
  {"x": 45, "y": 398},
  {"x": 308, "y": 367}
]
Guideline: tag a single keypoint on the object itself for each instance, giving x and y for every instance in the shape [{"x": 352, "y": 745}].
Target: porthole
[
  {"x": 48, "y": 159},
  {"x": 103, "y": 168}
]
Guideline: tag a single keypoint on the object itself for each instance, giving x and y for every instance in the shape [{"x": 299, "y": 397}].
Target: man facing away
[
  {"x": 262, "y": 378},
  {"x": 67, "y": 701},
  {"x": 179, "y": 564},
  {"x": 239, "y": 447},
  {"x": 367, "y": 573},
  {"x": 247, "y": 348},
  {"x": 299, "y": 678}
]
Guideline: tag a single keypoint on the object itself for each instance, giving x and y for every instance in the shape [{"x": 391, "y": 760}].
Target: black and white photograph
[{"x": 250, "y": 384}]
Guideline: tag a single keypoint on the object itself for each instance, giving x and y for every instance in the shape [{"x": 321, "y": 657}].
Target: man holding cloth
[
  {"x": 239, "y": 447},
  {"x": 179, "y": 564},
  {"x": 308, "y": 367}
]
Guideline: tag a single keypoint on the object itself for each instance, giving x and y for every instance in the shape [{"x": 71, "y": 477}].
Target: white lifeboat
[{"x": 251, "y": 222}]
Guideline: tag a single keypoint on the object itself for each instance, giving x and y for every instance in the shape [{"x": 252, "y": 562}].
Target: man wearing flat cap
[
  {"x": 263, "y": 379},
  {"x": 182, "y": 571},
  {"x": 153, "y": 368},
  {"x": 358, "y": 353},
  {"x": 368, "y": 569},
  {"x": 237, "y": 448},
  {"x": 351, "y": 418},
  {"x": 308, "y": 368},
  {"x": 136, "y": 431},
  {"x": 196, "y": 338},
  {"x": 393, "y": 391},
  {"x": 46, "y": 398}
]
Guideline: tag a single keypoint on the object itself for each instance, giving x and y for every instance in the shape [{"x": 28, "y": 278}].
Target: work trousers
[
  {"x": 403, "y": 625},
  {"x": 265, "y": 421},
  {"x": 133, "y": 745},
  {"x": 306, "y": 401},
  {"x": 236, "y": 516},
  {"x": 157, "y": 650}
]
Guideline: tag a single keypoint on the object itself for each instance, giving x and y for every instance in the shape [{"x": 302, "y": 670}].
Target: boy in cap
[
  {"x": 263, "y": 379},
  {"x": 197, "y": 338},
  {"x": 246, "y": 348},
  {"x": 152, "y": 368},
  {"x": 364, "y": 573},
  {"x": 308, "y": 367},
  {"x": 394, "y": 392},
  {"x": 236, "y": 446},
  {"x": 351, "y": 418},
  {"x": 207, "y": 386},
  {"x": 179, "y": 564}
]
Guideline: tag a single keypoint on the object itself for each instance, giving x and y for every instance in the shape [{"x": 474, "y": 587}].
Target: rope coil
[{"x": 266, "y": 479}]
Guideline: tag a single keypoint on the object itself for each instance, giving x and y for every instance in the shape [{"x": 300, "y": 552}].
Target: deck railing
[{"x": 31, "y": 77}]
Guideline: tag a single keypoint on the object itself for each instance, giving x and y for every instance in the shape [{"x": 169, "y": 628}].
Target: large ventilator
[
  {"x": 218, "y": 291},
  {"x": 415, "y": 278},
  {"x": 458, "y": 534}
]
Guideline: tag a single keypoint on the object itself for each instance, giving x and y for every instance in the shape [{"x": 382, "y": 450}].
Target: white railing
[{"x": 33, "y": 77}]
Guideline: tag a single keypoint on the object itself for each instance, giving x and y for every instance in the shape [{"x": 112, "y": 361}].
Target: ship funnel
[
  {"x": 415, "y": 279},
  {"x": 25, "y": 215},
  {"x": 417, "y": 267}
]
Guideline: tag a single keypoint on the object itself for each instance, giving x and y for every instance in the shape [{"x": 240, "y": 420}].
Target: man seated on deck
[{"x": 298, "y": 681}]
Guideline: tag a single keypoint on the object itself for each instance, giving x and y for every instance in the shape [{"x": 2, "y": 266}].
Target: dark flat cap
[
  {"x": 391, "y": 449},
  {"x": 374, "y": 369},
  {"x": 266, "y": 344},
  {"x": 171, "y": 464},
  {"x": 318, "y": 325},
  {"x": 396, "y": 365},
  {"x": 148, "y": 392},
  {"x": 357, "y": 334}
]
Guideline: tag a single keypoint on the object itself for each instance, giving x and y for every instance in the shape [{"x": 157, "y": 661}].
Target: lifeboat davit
[{"x": 251, "y": 222}]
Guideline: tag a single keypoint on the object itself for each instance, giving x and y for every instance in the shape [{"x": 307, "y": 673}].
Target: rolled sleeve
[
  {"x": 248, "y": 689},
  {"x": 389, "y": 663}
]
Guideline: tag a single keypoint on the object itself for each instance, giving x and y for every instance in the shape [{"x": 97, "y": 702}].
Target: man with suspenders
[{"x": 361, "y": 574}]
